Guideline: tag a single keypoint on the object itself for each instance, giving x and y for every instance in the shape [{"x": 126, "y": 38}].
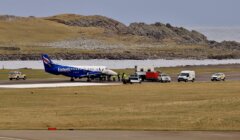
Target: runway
[
  {"x": 54, "y": 85},
  {"x": 51, "y": 83},
  {"x": 116, "y": 135},
  {"x": 65, "y": 82}
]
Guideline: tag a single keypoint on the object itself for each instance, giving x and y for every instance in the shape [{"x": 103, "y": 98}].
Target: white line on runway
[
  {"x": 7, "y": 138},
  {"x": 54, "y": 85}
]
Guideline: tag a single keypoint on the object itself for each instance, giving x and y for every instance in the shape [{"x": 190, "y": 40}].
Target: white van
[{"x": 187, "y": 76}]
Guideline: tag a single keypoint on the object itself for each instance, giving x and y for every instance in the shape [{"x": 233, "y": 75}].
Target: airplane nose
[
  {"x": 110, "y": 72},
  {"x": 113, "y": 73}
]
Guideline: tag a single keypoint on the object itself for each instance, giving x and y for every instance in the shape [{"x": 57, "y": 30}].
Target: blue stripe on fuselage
[{"x": 71, "y": 71}]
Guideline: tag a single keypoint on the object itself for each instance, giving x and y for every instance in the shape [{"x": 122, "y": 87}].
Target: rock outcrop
[
  {"x": 91, "y": 21},
  {"x": 231, "y": 45},
  {"x": 161, "y": 31},
  {"x": 9, "y": 18}
]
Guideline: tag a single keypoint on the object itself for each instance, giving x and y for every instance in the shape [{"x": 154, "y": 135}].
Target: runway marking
[
  {"x": 8, "y": 138},
  {"x": 54, "y": 85}
]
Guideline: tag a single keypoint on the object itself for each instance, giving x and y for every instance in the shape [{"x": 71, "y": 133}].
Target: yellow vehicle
[
  {"x": 16, "y": 75},
  {"x": 218, "y": 77}
]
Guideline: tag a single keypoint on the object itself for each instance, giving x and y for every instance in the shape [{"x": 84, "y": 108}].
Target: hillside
[{"x": 70, "y": 36}]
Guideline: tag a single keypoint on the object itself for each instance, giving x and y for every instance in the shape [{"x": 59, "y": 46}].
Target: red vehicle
[{"x": 153, "y": 76}]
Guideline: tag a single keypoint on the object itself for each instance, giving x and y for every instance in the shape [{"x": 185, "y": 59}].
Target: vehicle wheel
[
  {"x": 72, "y": 80},
  {"x": 10, "y": 79},
  {"x": 179, "y": 81},
  {"x": 17, "y": 78},
  {"x": 24, "y": 78},
  {"x": 224, "y": 79},
  {"x": 193, "y": 80},
  {"x": 131, "y": 83}
]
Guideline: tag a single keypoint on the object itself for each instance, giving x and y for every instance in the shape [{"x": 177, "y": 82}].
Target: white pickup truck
[
  {"x": 133, "y": 79},
  {"x": 16, "y": 75}
]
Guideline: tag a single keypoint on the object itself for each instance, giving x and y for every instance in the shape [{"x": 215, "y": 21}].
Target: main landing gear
[{"x": 89, "y": 79}]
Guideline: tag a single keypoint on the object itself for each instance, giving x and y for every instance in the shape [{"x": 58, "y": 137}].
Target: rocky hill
[
  {"x": 108, "y": 24},
  {"x": 70, "y": 36},
  {"x": 163, "y": 32},
  {"x": 157, "y": 31}
]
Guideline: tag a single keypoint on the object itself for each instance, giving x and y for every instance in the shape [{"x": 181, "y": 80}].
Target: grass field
[{"x": 175, "y": 106}]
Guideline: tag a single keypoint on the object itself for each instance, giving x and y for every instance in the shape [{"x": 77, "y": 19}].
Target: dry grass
[
  {"x": 32, "y": 30},
  {"x": 27, "y": 32},
  {"x": 176, "y": 106}
]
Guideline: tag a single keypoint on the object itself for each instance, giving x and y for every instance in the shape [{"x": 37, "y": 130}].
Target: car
[
  {"x": 133, "y": 79},
  {"x": 16, "y": 75},
  {"x": 186, "y": 76},
  {"x": 218, "y": 77},
  {"x": 164, "y": 78}
]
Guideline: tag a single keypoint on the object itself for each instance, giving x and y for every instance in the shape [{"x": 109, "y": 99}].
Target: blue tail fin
[{"x": 47, "y": 62}]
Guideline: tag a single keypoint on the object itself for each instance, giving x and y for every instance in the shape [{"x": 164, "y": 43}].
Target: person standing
[{"x": 119, "y": 79}]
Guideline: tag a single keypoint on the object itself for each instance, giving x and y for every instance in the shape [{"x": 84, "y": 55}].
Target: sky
[{"x": 208, "y": 13}]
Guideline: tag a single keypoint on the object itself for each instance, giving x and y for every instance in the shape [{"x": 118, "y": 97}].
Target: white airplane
[{"x": 74, "y": 72}]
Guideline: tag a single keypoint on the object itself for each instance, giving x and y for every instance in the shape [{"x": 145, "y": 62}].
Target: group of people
[{"x": 120, "y": 77}]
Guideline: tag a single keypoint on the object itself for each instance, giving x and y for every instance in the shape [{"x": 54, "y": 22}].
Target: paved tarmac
[
  {"x": 48, "y": 83},
  {"x": 116, "y": 135},
  {"x": 54, "y": 85},
  {"x": 65, "y": 82}
]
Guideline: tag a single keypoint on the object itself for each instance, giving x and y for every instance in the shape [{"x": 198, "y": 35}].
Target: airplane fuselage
[{"x": 76, "y": 71}]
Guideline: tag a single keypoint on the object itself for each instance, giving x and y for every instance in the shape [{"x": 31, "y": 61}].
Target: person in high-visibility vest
[
  {"x": 125, "y": 76},
  {"x": 114, "y": 78}
]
